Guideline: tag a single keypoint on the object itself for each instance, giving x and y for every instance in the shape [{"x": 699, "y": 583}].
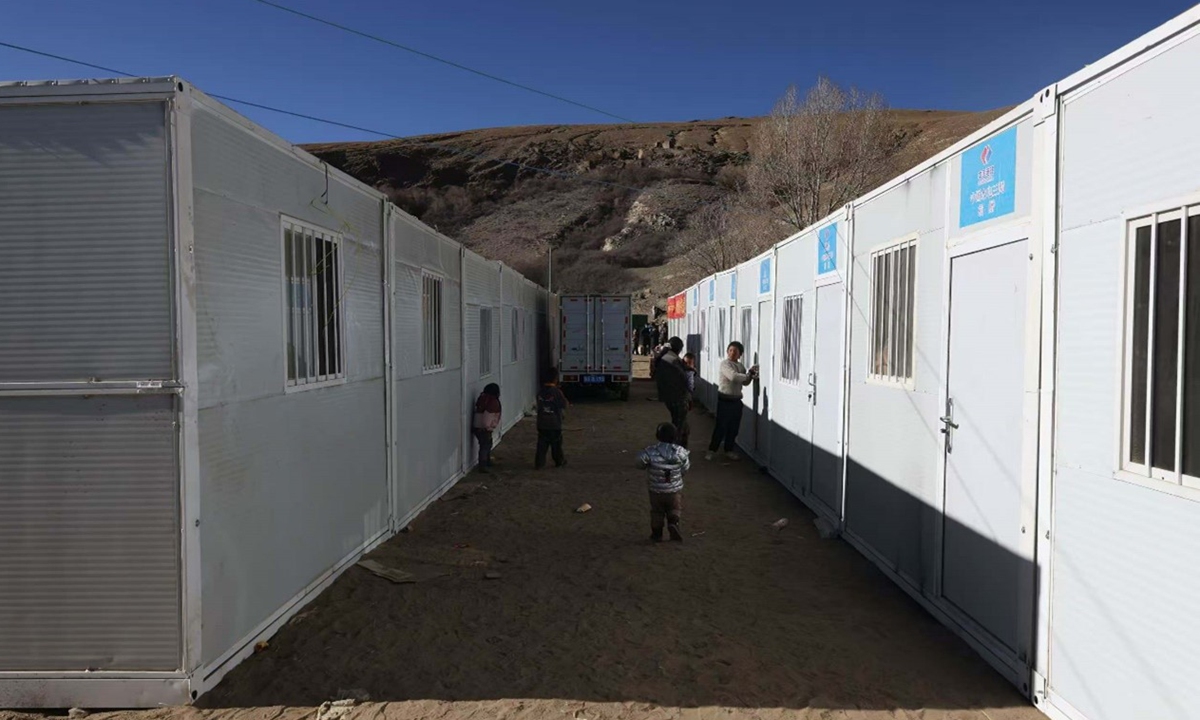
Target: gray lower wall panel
[
  {"x": 1123, "y": 635},
  {"x": 290, "y": 485},
  {"x": 429, "y": 436},
  {"x": 89, "y": 534}
]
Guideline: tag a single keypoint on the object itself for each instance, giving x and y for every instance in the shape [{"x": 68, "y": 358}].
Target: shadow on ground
[{"x": 519, "y": 596}]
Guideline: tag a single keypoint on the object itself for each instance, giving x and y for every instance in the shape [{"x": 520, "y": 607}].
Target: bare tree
[
  {"x": 722, "y": 234},
  {"x": 814, "y": 156}
]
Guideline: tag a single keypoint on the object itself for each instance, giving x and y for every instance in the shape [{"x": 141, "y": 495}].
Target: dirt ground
[{"x": 524, "y": 608}]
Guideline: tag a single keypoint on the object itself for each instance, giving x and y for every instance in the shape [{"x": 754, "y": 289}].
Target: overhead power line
[
  {"x": 337, "y": 123},
  {"x": 442, "y": 60}
]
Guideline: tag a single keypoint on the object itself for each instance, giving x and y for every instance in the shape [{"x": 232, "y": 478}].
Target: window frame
[
  {"x": 486, "y": 345},
  {"x": 1172, "y": 481},
  {"x": 785, "y": 347},
  {"x": 290, "y": 385},
  {"x": 886, "y": 254},
  {"x": 722, "y": 346},
  {"x": 440, "y": 319},
  {"x": 745, "y": 329},
  {"x": 517, "y": 335}
]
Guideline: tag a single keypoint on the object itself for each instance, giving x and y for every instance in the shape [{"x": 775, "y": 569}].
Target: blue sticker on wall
[
  {"x": 733, "y": 285},
  {"x": 827, "y": 249},
  {"x": 696, "y": 296},
  {"x": 987, "y": 188},
  {"x": 712, "y": 290},
  {"x": 764, "y": 276}
]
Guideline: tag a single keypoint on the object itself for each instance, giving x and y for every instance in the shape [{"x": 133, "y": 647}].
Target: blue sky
[{"x": 648, "y": 60}]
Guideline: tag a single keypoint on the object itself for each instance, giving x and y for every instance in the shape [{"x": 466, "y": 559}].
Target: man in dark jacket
[{"x": 670, "y": 376}]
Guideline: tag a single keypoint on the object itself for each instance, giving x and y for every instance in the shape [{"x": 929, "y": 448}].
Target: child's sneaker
[
  {"x": 732, "y": 456},
  {"x": 708, "y": 456},
  {"x": 656, "y": 536},
  {"x": 676, "y": 536}
]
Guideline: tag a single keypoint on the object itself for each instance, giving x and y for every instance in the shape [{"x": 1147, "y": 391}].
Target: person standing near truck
[
  {"x": 671, "y": 379},
  {"x": 551, "y": 404}
]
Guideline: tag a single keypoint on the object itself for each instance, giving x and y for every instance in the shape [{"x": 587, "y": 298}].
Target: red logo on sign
[{"x": 986, "y": 155}]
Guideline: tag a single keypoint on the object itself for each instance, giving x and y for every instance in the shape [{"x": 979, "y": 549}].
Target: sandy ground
[{"x": 588, "y": 620}]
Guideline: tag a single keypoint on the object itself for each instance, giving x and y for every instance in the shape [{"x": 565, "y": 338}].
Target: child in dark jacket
[
  {"x": 485, "y": 422},
  {"x": 666, "y": 463},
  {"x": 551, "y": 404}
]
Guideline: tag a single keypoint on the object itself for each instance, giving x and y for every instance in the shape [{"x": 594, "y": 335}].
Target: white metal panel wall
[
  {"x": 276, "y": 465},
  {"x": 242, "y": 185},
  {"x": 89, "y": 528},
  {"x": 747, "y": 299},
  {"x": 892, "y": 485},
  {"x": 1123, "y": 630},
  {"x": 292, "y": 485},
  {"x": 427, "y": 438},
  {"x": 86, "y": 295},
  {"x": 723, "y": 300},
  {"x": 791, "y": 410},
  {"x": 85, "y": 281}
]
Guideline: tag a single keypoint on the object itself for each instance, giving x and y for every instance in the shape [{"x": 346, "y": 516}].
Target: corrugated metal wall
[
  {"x": 85, "y": 276},
  {"x": 275, "y": 465},
  {"x": 428, "y": 432},
  {"x": 89, "y": 521},
  {"x": 892, "y": 487},
  {"x": 89, "y": 486}
]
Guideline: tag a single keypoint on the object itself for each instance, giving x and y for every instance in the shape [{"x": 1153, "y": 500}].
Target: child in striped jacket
[{"x": 666, "y": 463}]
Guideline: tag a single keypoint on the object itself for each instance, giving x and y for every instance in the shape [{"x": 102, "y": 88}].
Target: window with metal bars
[
  {"x": 485, "y": 341},
  {"x": 747, "y": 328},
  {"x": 312, "y": 273},
  {"x": 516, "y": 335},
  {"x": 433, "y": 357},
  {"x": 722, "y": 346},
  {"x": 793, "y": 314},
  {"x": 893, "y": 316},
  {"x": 1162, "y": 347}
]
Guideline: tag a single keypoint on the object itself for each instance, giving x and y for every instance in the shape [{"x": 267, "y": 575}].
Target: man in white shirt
[{"x": 733, "y": 377}]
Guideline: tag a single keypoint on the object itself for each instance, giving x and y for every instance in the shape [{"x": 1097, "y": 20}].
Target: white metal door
[
  {"x": 762, "y": 386},
  {"x": 982, "y": 563},
  {"x": 576, "y": 336},
  {"x": 801, "y": 475},
  {"x": 612, "y": 335},
  {"x": 746, "y": 337},
  {"x": 826, "y": 481}
]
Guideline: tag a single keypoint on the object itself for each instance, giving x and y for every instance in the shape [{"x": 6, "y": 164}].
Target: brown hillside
[{"x": 616, "y": 200}]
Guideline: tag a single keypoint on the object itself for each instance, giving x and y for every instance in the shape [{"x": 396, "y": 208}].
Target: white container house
[
  {"x": 226, "y": 371},
  {"x": 1017, "y": 444}
]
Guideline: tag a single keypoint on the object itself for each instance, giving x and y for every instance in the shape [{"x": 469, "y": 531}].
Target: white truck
[{"x": 597, "y": 341}]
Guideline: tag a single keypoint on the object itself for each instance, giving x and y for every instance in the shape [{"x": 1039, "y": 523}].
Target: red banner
[{"x": 677, "y": 306}]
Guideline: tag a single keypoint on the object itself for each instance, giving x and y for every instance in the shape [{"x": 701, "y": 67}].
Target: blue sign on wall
[
  {"x": 987, "y": 189},
  {"x": 712, "y": 290},
  {"x": 733, "y": 285},
  {"x": 696, "y": 296},
  {"x": 827, "y": 249},
  {"x": 764, "y": 276}
]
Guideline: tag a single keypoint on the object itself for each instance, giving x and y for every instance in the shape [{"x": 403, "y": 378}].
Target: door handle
[{"x": 948, "y": 424}]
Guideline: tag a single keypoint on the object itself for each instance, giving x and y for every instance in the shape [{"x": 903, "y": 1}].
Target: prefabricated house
[
  {"x": 226, "y": 371},
  {"x": 986, "y": 373}
]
